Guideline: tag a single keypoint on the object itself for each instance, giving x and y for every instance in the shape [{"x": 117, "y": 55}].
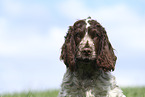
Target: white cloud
[
  {"x": 36, "y": 10},
  {"x": 32, "y": 55},
  {"x": 12, "y": 7},
  {"x": 77, "y": 9},
  {"x": 19, "y": 9},
  {"x": 56, "y": 37},
  {"x": 3, "y": 24},
  {"x": 32, "y": 44},
  {"x": 118, "y": 13},
  {"x": 73, "y": 9}
]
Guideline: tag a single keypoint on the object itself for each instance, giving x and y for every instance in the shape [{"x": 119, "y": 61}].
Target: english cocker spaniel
[{"x": 89, "y": 58}]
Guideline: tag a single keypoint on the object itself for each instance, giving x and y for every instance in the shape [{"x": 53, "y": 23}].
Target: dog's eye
[
  {"x": 93, "y": 33},
  {"x": 78, "y": 35},
  {"x": 94, "y": 30}
]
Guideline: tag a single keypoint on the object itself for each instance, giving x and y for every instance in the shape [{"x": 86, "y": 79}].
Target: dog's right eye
[
  {"x": 78, "y": 35},
  {"x": 78, "y": 38}
]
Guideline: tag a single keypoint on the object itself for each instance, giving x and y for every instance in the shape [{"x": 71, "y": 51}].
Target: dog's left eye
[
  {"x": 79, "y": 35},
  {"x": 93, "y": 33}
]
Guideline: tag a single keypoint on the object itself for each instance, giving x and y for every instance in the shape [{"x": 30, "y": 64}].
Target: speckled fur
[{"x": 102, "y": 84}]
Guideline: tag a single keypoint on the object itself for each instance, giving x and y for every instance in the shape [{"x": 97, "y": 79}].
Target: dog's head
[{"x": 87, "y": 41}]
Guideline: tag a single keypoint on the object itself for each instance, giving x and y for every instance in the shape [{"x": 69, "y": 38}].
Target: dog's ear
[
  {"x": 68, "y": 50},
  {"x": 106, "y": 58},
  {"x": 72, "y": 39}
]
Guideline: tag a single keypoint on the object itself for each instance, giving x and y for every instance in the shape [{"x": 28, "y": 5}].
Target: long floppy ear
[
  {"x": 106, "y": 59},
  {"x": 68, "y": 50}
]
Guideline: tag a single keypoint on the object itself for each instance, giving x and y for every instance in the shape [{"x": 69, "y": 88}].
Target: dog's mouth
[{"x": 85, "y": 59}]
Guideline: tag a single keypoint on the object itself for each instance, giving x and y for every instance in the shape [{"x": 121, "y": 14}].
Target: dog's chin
[{"x": 86, "y": 59}]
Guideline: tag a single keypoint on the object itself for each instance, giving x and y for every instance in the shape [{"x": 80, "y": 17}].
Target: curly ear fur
[
  {"x": 106, "y": 58},
  {"x": 68, "y": 50}
]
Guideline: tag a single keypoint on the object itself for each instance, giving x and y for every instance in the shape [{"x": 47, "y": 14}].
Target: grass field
[{"x": 129, "y": 92}]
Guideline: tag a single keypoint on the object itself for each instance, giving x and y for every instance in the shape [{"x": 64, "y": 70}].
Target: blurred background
[{"x": 32, "y": 33}]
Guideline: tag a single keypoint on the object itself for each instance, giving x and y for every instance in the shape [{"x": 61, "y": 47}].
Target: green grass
[
  {"x": 51, "y": 93},
  {"x": 129, "y": 92},
  {"x": 134, "y": 91}
]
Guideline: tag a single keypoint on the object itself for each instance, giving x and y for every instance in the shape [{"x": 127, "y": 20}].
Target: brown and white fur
[{"x": 89, "y": 58}]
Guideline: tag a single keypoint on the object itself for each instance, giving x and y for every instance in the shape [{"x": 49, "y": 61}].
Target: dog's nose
[{"x": 87, "y": 51}]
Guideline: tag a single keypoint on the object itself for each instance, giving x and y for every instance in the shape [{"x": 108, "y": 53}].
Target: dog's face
[
  {"x": 84, "y": 37},
  {"x": 87, "y": 41}
]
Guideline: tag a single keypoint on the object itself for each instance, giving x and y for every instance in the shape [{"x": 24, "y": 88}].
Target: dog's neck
[{"x": 86, "y": 69}]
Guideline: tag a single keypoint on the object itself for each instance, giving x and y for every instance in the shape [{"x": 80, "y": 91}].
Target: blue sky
[{"x": 32, "y": 33}]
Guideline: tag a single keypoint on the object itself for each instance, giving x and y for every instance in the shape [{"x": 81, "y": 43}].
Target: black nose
[{"x": 86, "y": 51}]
